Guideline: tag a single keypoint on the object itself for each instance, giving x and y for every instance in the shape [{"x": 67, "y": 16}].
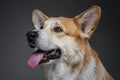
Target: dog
[{"x": 62, "y": 46}]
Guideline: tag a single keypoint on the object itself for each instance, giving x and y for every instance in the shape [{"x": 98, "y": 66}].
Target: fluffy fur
[{"x": 78, "y": 60}]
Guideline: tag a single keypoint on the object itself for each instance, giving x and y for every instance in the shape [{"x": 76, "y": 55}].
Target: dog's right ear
[
  {"x": 38, "y": 18},
  {"x": 88, "y": 20}
]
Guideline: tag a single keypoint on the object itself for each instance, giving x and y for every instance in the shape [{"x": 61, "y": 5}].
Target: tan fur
[
  {"x": 72, "y": 30},
  {"x": 80, "y": 56}
]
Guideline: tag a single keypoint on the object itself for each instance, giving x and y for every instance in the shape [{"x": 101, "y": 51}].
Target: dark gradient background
[{"x": 15, "y": 21}]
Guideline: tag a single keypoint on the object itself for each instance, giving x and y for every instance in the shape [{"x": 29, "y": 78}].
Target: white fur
[
  {"x": 89, "y": 73},
  {"x": 58, "y": 69},
  {"x": 71, "y": 64},
  {"x": 44, "y": 40}
]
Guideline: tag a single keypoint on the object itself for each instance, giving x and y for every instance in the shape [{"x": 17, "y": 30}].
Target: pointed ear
[
  {"x": 38, "y": 18},
  {"x": 88, "y": 20}
]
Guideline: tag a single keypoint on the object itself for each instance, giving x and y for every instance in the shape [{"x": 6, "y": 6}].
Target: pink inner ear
[
  {"x": 88, "y": 20},
  {"x": 38, "y": 22},
  {"x": 83, "y": 25}
]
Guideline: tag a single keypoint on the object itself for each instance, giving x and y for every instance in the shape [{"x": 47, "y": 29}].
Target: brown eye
[
  {"x": 41, "y": 27},
  {"x": 58, "y": 29}
]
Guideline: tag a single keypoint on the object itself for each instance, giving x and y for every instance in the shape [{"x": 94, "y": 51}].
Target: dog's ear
[
  {"x": 88, "y": 20},
  {"x": 38, "y": 18}
]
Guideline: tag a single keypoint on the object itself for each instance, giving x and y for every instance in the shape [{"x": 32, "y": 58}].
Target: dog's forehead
[
  {"x": 68, "y": 24},
  {"x": 60, "y": 20},
  {"x": 51, "y": 22}
]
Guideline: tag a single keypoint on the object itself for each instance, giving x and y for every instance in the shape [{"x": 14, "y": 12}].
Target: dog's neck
[{"x": 60, "y": 71}]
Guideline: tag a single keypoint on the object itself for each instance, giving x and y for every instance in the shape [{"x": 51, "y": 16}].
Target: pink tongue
[{"x": 34, "y": 60}]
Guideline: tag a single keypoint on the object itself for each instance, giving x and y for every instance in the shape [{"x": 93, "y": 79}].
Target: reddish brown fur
[{"x": 71, "y": 28}]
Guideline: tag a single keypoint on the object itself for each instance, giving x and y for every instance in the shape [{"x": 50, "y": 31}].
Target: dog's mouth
[{"x": 40, "y": 56}]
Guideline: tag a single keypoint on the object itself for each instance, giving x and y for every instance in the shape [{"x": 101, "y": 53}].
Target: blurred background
[{"x": 16, "y": 20}]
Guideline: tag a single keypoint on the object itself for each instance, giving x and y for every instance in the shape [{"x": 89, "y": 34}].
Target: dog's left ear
[
  {"x": 88, "y": 20},
  {"x": 38, "y": 18}
]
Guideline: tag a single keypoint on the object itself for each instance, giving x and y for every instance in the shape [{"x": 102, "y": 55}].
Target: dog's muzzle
[{"x": 31, "y": 37}]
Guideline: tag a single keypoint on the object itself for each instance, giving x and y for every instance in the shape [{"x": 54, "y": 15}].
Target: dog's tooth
[
  {"x": 35, "y": 48},
  {"x": 53, "y": 52}
]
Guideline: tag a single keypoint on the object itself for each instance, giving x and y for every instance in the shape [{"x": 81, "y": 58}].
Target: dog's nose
[{"x": 32, "y": 35}]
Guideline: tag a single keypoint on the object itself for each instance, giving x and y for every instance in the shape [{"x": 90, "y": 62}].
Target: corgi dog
[{"x": 62, "y": 46}]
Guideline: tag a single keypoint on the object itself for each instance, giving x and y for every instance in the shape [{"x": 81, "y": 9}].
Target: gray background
[{"x": 15, "y": 21}]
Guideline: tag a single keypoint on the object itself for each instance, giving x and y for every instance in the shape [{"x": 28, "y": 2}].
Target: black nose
[{"x": 32, "y": 35}]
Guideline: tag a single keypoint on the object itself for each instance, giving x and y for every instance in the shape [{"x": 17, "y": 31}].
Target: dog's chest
[{"x": 59, "y": 71}]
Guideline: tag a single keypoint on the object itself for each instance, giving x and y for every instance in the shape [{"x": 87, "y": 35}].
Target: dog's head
[{"x": 61, "y": 39}]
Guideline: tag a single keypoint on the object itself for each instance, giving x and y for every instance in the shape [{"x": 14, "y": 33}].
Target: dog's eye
[
  {"x": 41, "y": 27},
  {"x": 58, "y": 29}
]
